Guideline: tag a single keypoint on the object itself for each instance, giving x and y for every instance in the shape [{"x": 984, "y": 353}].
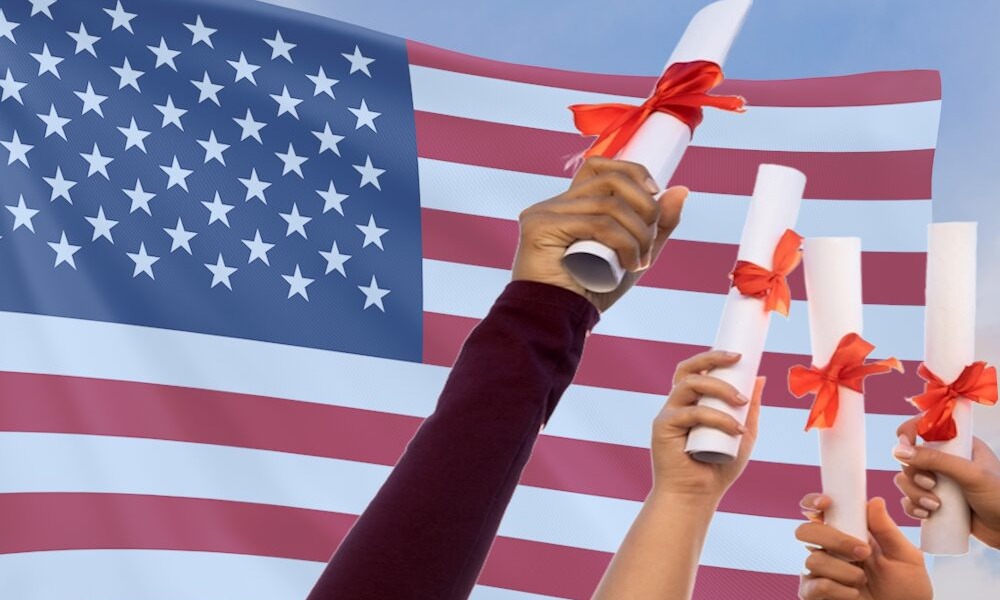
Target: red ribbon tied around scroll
[
  {"x": 681, "y": 91},
  {"x": 847, "y": 367},
  {"x": 771, "y": 285},
  {"x": 977, "y": 382}
]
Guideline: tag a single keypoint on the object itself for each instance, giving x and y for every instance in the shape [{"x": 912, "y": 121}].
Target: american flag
[{"x": 240, "y": 247}]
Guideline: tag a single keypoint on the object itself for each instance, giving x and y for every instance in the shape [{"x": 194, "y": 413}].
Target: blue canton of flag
[{"x": 166, "y": 164}]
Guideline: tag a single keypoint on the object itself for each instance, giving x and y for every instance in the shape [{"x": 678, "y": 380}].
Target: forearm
[
  {"x": 428, "y": 530},
  {"x": 658, "y": 559}
]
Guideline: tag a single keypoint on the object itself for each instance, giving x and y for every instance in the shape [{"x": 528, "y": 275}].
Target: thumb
[
  {"x": 885, "y": 531},
  {"x": 964, "y": 472},
  {"x": 671, "y": 204}
]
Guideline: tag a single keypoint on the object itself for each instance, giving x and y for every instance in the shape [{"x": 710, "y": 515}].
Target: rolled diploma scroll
[
  {"x": 661, "y": 141},
  {"x": 833, "y": 286},
  {"x": 949, "y": 347},
  {"x": 774, "y": 208}
]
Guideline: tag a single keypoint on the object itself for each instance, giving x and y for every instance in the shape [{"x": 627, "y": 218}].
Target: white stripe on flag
[
  {"x": 876, "y": 128},
  {"x": 716, "y": 218},
  {"x": 663, "y": 315},
  {"x": 65, "y": 463}
]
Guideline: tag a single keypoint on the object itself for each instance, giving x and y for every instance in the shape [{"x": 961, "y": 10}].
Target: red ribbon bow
[
  {"x": 847, "y": 367},
  {"x": 977, "y": 382},
  {"x": 771, "y": 285},
  {"x": 681, "y": 91}
]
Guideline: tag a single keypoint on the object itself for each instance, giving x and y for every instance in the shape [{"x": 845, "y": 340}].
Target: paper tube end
[
  {"x": 594, "y": 266},
  {"x": 711, "y": 32},
  {"x": 712, "y": 458}
]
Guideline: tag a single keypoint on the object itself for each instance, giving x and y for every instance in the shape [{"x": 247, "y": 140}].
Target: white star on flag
[
  {"x": 296, "y": 222},
  {"x": 358, "y": 61},
  {"x": 134, "y": 136},
  {"x": 373, "y": 294},
  {"x": 366, "y": 118},
  {"x": 60, "y": 186},
  {"x": 207, "y": 89},
  {"x": 332, "y": 199},
  {"x": 7, "y": 27},
  {"x": 143, "y": 261},
  {"x": 218, "y": 210},
  {"x": 328, "y": 140},
  {"x": 97, "y": 162},
  {"x": 64, "y": 251},
  {"x": 213, "y": 148},
  {"x": 23, "y": 215},
  {"x": 297, "y": 284},
  {"x": 41, "y": 6},
  {"x": 279, "y": 47},
  {"x": 369, "y": 173},
  {"x": 258, "y": 249},
  {"x": 221, "y": 273},
  {"x": 84, "y": 41},
  {"x": 373, "y": 233},
  {"x": 323, "y": 84},
  {"x": 244, "y": 70},
  {"x": 176, "y": 175},
  {"x": 91, "y": 100},
  {"x": 11, "y": 88},
  {"x": 120, "y": 18},
  {"x": 140, "y": 198},
  {"x": 164, "y": 55},
  {"x": 286, "y": 103},
  {"x": 171, "y": 114},
  {"x": 47, "y": 63},
  {"x": 250, "y": 127},
  {"x": 335, "y": 260},
  {"x": 102, "y": 225},
  {"x": 200, "y": 33},
  {"x": 53, "y": 122},
  {"x": 17, "y": 149},
  {"x": 128, "y": 76},
  {"x": 179, "y": 237},
  {"x": 255, "y": 187},
  {"x": 292, "y": 162}
]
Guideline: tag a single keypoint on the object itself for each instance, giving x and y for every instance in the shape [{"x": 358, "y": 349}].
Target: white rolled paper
[
  {"x": 833, "y": 287},
  {"x": 949, "y": 347},
  {"x": 774, "y": 209},
  {"x": 661, "y": 141}
]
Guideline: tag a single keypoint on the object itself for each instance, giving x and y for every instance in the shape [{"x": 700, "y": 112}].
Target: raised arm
[{"x": 426, "y": 534}]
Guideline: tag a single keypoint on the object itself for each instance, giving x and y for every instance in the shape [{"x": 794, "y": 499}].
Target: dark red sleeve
[{"x": 427, "y": 532}]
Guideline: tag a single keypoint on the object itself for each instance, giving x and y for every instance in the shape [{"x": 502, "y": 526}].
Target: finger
[
  {"x": 671, "y": 205},
  {"x": 909, "y": 430},
  {"x": 913, "y": 510},
  {"x": 694, "y": 416},
  {"x": 965, "y": 472},
  {"x": 823, "y": 565},
  {"x": 832, "y": 540},
  {"x": 982, "y": 453},
  {"x": 814, "y": 506},
  {"x": 616, "y": 207},
  {"x": 623, "y": 187},
  {"x": 820, "y": 588},
  {"x": 596, "y": 165},
  {"x": 690, "y": 389},
  {"x": 703, "y": 362},
  {"x": 603, "y": 228},
  {"x": 885, "y": 531},
  {"x": 918, "y": 495},
  {"x": 924, "y": 479},
  {"x": 756, "y": 396}
]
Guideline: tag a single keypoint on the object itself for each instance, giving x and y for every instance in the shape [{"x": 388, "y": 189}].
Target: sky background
[{"x": 782, "y": 39}]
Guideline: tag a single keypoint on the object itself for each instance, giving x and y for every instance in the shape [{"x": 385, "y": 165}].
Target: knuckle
[{"x": 814, "y": 561}]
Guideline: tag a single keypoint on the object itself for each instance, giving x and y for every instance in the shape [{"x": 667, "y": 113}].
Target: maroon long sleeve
[{"x": 426, "y": 534}]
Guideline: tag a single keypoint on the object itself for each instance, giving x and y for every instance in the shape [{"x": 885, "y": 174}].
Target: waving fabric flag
[{"x": 240, "y": 247}]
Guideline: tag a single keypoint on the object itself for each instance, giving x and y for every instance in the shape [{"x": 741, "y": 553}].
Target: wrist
[{"x": 689, "y": 502}]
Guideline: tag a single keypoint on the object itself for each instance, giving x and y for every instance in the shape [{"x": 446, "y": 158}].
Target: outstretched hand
[{"x": 610, "y": 201}]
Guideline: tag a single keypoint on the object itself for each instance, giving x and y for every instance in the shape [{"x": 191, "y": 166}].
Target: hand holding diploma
[
  {"x": 610, "y": 201},
  {"x": 842, "y": 567},
  {"x": 978, "y": 479},
  {"x": 659, "y": 557}
]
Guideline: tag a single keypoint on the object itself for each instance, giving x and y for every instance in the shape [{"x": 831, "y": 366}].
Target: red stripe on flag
[
  {"x": 72, "y": 405},
  {"x": 895, "y": 175},
  {"x": 646, "y": 366},
  {"x": 889, "y": 277},
  {"x": 864, "y": 89},
  {"x": 80, "y": 521}
]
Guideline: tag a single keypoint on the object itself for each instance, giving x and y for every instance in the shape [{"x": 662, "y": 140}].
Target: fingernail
[
  {"x": 742, "y": 428},
  {"x": 930, "y": 503},
  {"x": 806, "y": 572},
  {"x": 905, "y": 441},
  {"x": 903, "y": 452},
  {"x": 924, "y": 481},
  {"x": 860, "y": 551},
  {"x": 651, "y": 186},
  {"x": 742, "y": 399},
  {"x": 810, "y": 514},
  {"x": 815, "y": 502},
  {"x": 733, "y": 354},
  {"x": 920, "y": 513}
]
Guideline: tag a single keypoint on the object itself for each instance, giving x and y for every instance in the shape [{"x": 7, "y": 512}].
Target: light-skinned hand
[
  {"x": 610, "y": 201},
  {"x": 979, "y": 479},
  {"x": 841, "y": 567},
  {"x": 675, "y": 473}
]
